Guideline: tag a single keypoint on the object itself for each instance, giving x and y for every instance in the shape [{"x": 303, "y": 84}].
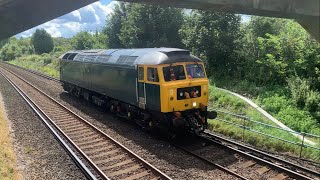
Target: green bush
[
  {"x": 303, "y": 95},
  {"x": 313, "y": 101},
  {"x": 297, "y": 119},
  {"x": 299, "y": 89},
  {"x": 44, "y": 63},
  {"x": 274, "y": 104},
  {"x": 10, "y": 51}
]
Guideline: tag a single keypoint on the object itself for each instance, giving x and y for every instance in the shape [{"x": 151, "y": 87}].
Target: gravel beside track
[{"x": 39, "y": 156}]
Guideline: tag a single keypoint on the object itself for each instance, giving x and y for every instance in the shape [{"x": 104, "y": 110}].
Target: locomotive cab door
[{"x": 141, "y": 87}]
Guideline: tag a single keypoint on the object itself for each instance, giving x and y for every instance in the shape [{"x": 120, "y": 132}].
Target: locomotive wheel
[
  {"x": 77, "y": 92},
  {"x": 150, "y": 124},
  {"x": 112, "y": 108}
]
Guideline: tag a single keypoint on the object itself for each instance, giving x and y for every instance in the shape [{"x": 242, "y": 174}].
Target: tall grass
[{"x": 45, "y": 63}]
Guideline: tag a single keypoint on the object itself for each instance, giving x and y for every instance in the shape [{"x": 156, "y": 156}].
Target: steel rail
[
  {"x": 278, "y": 167},
  {"x": 210, "y": 162},
  {"x": 64, "y": 144},
  {"x": 130, "y": 153},
  {"x": 264, "y": 154}
]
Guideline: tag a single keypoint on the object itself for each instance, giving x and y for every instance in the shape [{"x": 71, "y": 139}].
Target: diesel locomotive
[{"x": 156, "y": 87}]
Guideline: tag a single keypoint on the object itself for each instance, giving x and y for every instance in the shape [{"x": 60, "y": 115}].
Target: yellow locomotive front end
[{"x": 184, "y": 94}]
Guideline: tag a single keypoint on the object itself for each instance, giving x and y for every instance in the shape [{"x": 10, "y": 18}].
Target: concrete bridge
[{"x": 19, "y": 15}]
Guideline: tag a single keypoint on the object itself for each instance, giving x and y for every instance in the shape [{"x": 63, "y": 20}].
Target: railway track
[
  {"x": 241, "y": 161},
  {"x": 261, "y": 154},
  {"x": 108, "y": 158}
]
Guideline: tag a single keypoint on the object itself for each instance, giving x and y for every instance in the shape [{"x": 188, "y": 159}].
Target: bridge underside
[{"x": 19, "y": 15}]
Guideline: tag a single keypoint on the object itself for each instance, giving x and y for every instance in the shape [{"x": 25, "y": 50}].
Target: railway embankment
[
  {"x": 268, "y": 116},
  {"x": 241, "y": 121}
]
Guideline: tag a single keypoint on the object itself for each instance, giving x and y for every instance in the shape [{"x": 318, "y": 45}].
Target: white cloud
[
  {"x": 89, "y": 18},
  {"x": 76, "y": 13},
  {"x": 73, "y": 26}
]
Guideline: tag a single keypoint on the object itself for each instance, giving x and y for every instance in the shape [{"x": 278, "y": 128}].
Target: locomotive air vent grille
[
  {"x": 90, "y": 58},
  {"x": 79, "y": 57},
  {"x": 129, "y": 60},
  {"x": 103, "y": 59}
]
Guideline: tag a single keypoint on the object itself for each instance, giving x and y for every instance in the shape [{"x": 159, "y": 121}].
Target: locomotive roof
[{"x": 131, "y": 57}]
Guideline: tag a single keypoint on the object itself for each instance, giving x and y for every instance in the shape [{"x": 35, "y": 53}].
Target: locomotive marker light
[{"x": 194, "y": 104}]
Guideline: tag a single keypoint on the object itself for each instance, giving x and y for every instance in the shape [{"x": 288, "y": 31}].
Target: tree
[
  {"x": 265, "y": 25},
  {"x": 137, "y": 26},
  {"x": 214, "y": 37},
  {"x": 10, "y": 50},
  {"x": 288, "y": 51},
  {"x": 114, "y": 25},
  {"x": 100, "y": 40},
  {"x": 82, "y": 40},
  {"x": 151, "y": 26},
  {"x": 42, "y": 41},
  {"x": 3, "y": 42}
]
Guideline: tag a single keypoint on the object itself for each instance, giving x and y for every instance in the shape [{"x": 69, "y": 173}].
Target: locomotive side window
[
  {"x": 173, "y": 73},
  {"x": 152, "y": 74},
  {"x": 141, "y": 73}
]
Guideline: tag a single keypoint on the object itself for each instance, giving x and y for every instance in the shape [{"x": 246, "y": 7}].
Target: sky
[{"x": 89, "y": 18}]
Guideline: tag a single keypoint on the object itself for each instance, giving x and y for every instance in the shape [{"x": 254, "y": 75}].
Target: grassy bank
[
  {"x": 7, "y": 156},
  {"x": 277, "y": 101},
  {"x": 45, "y": 63},
  {"x": 221, "y": 100}
]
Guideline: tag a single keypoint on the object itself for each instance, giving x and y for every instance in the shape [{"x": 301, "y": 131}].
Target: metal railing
[{"x": 247, "y": 124}]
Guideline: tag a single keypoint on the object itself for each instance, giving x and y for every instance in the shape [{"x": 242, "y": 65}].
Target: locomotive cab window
[
  {"x": 195, "y": 71},
  {"x": 66, "y": 56},
  {"x": 173, "y": 73},
  {"x": 141, "y": 73},
  {"x": 152, "y": 74}
]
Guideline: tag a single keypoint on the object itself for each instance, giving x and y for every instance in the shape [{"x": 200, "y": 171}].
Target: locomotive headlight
[
  {"x": 194, "y": 104},
  {"x": 181, "y": 94}
]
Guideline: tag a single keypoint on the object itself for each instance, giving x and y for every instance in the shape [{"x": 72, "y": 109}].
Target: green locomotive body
[{"x": 134, "y": 83}]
